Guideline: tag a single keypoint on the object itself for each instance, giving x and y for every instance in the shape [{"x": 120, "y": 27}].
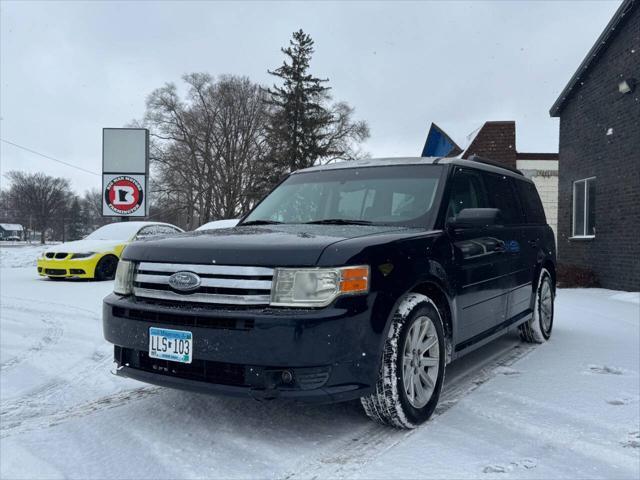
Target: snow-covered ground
[
  {"x": 17, "y": 255},
  {"x": 566, "y": 409}
]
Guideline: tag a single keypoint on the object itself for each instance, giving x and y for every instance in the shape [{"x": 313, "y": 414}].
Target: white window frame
[{"x": 585, "y": 182}]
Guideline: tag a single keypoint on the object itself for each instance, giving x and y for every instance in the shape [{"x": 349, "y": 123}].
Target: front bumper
[
  {"x": 67, "y": 268},
  {"x": 325, "y": 355}
]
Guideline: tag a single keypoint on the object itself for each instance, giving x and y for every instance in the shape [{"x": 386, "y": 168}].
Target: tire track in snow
[
  {"x": 15, "y": 411},
  {"x": 9, "y": 427},
  {"x": 32, "y": 405},
  {"x": 53, "y": 332},
  {"x": 64, "y": 307},
  {"x": 349, "y": 455}
]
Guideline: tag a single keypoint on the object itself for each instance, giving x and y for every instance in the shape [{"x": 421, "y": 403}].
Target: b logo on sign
[{"x": 124, "y": 195}]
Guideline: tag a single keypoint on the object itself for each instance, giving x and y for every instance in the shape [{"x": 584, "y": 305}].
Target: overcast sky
[{"x": 68, "y": 69}]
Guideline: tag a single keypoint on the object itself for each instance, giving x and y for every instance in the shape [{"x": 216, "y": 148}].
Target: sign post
[{"x": 125, "y": 172}]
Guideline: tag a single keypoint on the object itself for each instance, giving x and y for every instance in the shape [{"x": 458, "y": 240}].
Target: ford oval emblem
[{"x": 184, "y": 281}]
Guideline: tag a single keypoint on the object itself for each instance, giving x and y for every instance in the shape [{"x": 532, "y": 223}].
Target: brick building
[{"x": 599, "y": 168}]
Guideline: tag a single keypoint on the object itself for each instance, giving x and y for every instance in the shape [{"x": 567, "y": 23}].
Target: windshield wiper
[
  {"x": 260, "y": 222},
  {"x": 339, "y": 221}
]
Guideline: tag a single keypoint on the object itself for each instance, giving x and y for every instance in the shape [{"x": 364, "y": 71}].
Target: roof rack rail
[{"x": 476, "y": 158}]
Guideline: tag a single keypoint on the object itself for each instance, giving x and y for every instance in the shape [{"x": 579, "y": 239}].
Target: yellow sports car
[{"x": 96, "y": 256}]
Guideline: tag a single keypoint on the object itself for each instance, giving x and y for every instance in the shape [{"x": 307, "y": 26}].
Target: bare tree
[
  {"x": 206, "y": 148},
  {"x": 38, "y": 197},
  {"x": 91, "y": 210}
]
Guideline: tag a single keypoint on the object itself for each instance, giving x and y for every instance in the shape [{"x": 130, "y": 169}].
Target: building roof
[
  {"x": 11, "y": 227},
  {"x": 601, "y": 44},
  {"x": 537, "y": 156}
]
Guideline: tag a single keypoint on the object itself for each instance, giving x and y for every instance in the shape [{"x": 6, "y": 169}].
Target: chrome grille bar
[
  {"x": 210, "y": 282},
  {"x": 219, "y": 284},
  {"x": 202, "y": 297},
  {"x": 206, "y": 269}
]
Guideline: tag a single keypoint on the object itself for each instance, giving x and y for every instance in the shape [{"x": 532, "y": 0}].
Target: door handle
[{"x": 500, "y": 247}]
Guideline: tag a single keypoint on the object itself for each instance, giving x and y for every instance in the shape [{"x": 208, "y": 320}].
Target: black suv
[{"x": 360, "y": 279}]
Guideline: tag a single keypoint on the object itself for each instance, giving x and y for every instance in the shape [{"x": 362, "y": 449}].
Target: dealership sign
[
  {"x": 125, "y": 170},
  {"x": 124, "y": 194}
]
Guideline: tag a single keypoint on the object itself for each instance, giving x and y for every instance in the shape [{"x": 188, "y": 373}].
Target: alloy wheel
[
  {"x": 545, "y": 308},
  {"x": 420, "y": 361}
]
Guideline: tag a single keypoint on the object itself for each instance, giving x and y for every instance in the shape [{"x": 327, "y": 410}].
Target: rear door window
[{"x": 467, "y": 191}]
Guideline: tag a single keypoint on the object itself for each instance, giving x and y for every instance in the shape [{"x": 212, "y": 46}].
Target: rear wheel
[
  {"x": 538, "y": 329},
  {"x": 106, "y": 268},
  {"x": 413, "y": 364}
]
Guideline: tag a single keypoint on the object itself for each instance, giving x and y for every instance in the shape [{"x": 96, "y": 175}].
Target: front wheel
[
  {"x": 413, "y": 364},
  {"x": 106, "y": 268},
  {"x": 538, "y": 329}
]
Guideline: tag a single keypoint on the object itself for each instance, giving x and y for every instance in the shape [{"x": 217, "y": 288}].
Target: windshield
[
  {"x": 115, "y": 231},
  {"x": 403, "y": 195}
]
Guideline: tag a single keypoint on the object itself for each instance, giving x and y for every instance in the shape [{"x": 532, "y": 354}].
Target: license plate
[{"x": 173, "y": 345}]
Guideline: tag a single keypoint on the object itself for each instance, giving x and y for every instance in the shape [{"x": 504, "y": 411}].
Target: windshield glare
[{"x": 383, "y": 195}]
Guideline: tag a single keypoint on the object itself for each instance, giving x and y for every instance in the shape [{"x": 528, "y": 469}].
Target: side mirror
[{"x": 476, "y": 218}]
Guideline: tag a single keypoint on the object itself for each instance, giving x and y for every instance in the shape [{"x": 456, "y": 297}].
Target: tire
[
  {"x": 391, "y": 403},
  {"x": 106, "y": 268},
  {"x": 538, "y": 329}
]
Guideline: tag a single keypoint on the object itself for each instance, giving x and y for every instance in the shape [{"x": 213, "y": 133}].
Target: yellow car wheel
[{"x": 106, "y": 268}]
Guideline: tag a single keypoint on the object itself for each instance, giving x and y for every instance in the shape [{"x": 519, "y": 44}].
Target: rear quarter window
[
  {"x": 502, "y": 195},
  {"x": 531, "y": 203}
]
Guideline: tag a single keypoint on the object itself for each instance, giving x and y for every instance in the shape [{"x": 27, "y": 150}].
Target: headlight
[
  {"x": 316, "y": 287},
  {"x": 82, "y": 255},
  {"x": 123, "y": 284}
]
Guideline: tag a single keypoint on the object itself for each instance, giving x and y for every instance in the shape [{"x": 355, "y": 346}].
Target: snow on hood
[
  {"x": 218, "y": 224},
  {"x": 84, "y": 246}
]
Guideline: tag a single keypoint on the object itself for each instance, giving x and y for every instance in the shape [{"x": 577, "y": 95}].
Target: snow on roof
[
  {"x": 120, "y": 230},
  {"x": 11, "y": 227},
  {"x": 370, "y": 162}
]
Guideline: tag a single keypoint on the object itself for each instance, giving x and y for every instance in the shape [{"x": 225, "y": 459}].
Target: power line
[{"x": 49, "y": 158}]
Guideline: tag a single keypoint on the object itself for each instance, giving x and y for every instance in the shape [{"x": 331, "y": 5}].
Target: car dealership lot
[{"x": 569, "y": 408}]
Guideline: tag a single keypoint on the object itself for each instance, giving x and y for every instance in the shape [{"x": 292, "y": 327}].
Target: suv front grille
[{"x": 225, "y": 285}]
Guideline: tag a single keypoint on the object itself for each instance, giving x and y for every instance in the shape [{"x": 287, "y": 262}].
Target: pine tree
[
  {"x": 304, "y": 127},
  {"x": 76, "y": 227},
  {"x": 299, "y": 116}
]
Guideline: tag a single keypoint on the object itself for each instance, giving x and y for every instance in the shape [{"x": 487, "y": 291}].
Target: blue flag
[{"x": 439, "y": 144}]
